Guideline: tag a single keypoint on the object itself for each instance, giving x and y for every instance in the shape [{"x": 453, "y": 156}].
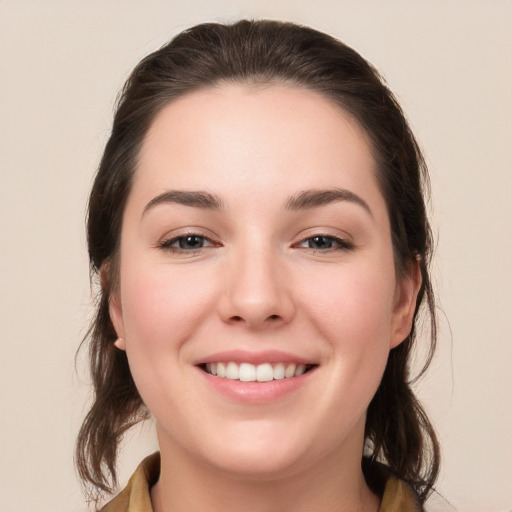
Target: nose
[{"x": 256, "y": 292}]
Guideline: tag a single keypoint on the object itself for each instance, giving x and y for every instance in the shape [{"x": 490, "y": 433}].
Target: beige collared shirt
[{"x": 135, "y": 497}]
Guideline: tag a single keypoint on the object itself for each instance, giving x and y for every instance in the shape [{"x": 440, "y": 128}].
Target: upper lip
[{"x": 243, "y": 356}]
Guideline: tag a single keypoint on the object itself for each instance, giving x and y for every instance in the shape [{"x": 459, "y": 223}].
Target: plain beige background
[{"x": 62, "y": 63}]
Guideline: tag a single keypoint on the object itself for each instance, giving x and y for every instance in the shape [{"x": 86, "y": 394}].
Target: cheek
[
  {"x": 353, "y": 312},
  {"x": 162, "y": 309},
  {"x": 161, "y": 304},
  {"x": 353, "y": 307},
  {"x": 349, "y": 310}
]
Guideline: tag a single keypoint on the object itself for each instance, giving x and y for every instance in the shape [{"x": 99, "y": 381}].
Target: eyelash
[
  {"x": 337, "y": 244},
  {"x": 168, "y": 244}
]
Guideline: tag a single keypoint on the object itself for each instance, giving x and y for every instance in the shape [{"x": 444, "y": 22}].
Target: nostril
[{"x": 238, "y": 318}]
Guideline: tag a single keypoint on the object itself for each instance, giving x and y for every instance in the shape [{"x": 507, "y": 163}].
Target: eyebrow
[
  {"x": 301, "y": 201},
  {"x": 196, "y": 199},
  {"x": 314, "y": 198}
]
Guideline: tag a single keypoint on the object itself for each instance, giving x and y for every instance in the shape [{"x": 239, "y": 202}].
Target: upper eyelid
[
  {"x": 340, "y": 243},
  {"x": 189, "y": 231},
  {"x": 185, "y": 235},
  {"x": 167, "y": 243},
  {"x": 306, "y": 234},
  {"x": 331, "y": 237},
  {"x": 343, "y": 237}
]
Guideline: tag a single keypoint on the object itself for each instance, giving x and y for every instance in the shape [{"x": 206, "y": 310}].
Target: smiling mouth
[{"x": 247, "y": 372}]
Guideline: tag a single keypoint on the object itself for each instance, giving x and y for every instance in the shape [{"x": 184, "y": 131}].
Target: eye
[
  {"x": 186, "y": 243},
  {"x": 325, "y": 243}
]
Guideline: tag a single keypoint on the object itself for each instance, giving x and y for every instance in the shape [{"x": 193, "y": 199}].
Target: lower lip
[{"x": 256, "y": 392}]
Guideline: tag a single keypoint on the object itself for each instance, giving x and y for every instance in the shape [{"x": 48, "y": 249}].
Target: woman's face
[{"x": 256, "y": 245}]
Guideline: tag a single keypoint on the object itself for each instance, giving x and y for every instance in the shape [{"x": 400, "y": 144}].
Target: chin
[
  {"x": 258, "y": 457},
  {"x": 250, "y": 465}
]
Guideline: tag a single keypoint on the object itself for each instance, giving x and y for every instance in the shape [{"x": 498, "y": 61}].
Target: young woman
[{"x": 258, "y": 225}]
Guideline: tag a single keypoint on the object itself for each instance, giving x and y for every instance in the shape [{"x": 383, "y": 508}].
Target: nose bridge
[{"x": 256, "y": 293}]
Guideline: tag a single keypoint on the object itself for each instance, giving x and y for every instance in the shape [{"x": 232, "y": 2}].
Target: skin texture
[{"x": 258, "y": 282}]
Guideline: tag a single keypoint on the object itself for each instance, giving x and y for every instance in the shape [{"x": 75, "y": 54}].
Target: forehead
[{"x": 262, "y": 137}]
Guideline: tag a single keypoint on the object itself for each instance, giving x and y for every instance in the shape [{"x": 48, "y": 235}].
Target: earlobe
[
  {"x": 405, "y": 304},
  {"x": 116, "y": 317},
  {"x": 120, "y": 344},
  {"x": 114, "y": 309}
]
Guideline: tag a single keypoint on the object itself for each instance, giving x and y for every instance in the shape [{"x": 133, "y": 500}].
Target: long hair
[{"x": 398, "y": 431}]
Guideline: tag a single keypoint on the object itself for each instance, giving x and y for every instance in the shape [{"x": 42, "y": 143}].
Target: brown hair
[{"x": 398, "y": 431}]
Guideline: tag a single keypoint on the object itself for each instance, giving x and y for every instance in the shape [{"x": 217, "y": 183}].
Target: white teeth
[
  {"x": 289, "y": 371},
  {"x": 264, "y": 373},
  {"x": 247, "y": 372},
  {"x": 221, "y": 369},
  {"x": 211, "y": 368},
  {"x": 232, "y": 371},
  {"x": 279, "y": 371},
  {"x": 301, "y": 368}
]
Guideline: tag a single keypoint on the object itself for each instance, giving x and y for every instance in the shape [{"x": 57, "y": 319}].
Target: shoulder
[
  {"x": 396, "y": 495},
  {"x": 135, "y": 497},
  {"x": 399, "y": 497}
]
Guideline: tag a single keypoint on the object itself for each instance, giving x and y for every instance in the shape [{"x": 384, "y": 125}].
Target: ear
[
  {"x": 406, "y": 292},
  {"x": 114, "y": 309}
]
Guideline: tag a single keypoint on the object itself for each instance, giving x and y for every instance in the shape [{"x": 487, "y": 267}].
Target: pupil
[
  {"x": 190, "y": 242},
  {"x": 321, "y": 242}
]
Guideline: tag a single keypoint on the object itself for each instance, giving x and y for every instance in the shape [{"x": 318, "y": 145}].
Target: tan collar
[{"x": 135, "y": 497}]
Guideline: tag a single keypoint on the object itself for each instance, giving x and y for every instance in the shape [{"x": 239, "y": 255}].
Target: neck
[{"x": 188, "y": 485}]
